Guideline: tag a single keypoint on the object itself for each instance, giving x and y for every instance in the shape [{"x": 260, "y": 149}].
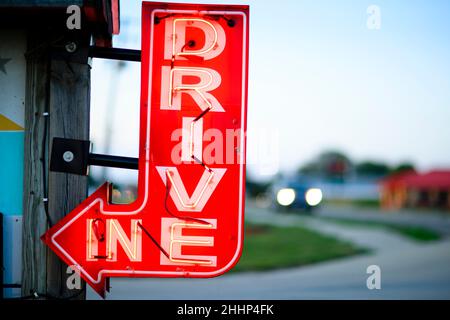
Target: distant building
[
  {"x": 353, "y": 189},
  {"x": 411, "y": 190}
]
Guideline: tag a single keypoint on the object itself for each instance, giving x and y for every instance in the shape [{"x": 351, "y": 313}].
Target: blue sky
[{"x": 319, "y": 79}]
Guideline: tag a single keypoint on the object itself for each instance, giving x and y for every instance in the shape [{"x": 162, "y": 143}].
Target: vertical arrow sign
[{"x": 187, "y": 220}]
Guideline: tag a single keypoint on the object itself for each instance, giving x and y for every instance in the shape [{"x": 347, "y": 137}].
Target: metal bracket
[
  {"x": 115, "y": 53},
  {"x": 70, "y": 156},
  {"x": 104, "y": 160},
  {"x": 73, "y": 156}
]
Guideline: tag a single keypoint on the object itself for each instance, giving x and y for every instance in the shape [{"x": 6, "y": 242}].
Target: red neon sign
[{"x": 187, "y": 220}]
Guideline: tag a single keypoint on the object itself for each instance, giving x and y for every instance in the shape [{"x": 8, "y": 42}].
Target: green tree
[
  {"x": 402, "y": 167},
  {"x": 331, "y": 165},
  {"x": 372, "y": 168}
]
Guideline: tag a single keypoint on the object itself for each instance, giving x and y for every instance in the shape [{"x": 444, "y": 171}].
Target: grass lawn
[
  {"x": 413, "y": 232},
  {"x": 363, "y": 203},
  {"x": 272, "y": 247}
]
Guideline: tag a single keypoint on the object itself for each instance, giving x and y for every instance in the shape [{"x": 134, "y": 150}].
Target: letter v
[{"x": 203, "y": 191}]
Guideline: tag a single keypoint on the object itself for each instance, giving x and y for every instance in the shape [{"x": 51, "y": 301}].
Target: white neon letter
[
  {"x": 132, "y": 246},
  {"x": 192, "y": 142},
  {"x": 172, "y": 87},
  {"x": 176, "y": 45},
  {"x": 92, "y": 241},
  {"x": 203, "y": 191},
  {"x": 172, "y": 239}
]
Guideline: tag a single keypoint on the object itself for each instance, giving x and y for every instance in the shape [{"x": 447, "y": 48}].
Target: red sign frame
[{"x": 188, "y": 218}]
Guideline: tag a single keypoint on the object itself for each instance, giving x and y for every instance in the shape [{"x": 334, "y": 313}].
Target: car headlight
[
  {"x": 313, "y": 196},
  {"x": 286, "y": 196}
]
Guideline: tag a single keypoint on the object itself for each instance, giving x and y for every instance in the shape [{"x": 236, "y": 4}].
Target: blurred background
[{"x": 348, "y": 157}]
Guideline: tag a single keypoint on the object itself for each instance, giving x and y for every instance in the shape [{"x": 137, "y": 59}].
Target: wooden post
[
  {"x": 58, "y": 83},
  {"x": 69, "y": 118},
  {"x": 34, "y": 253}
]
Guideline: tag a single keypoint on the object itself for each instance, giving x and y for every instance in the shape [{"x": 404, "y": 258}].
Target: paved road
[
  {"x": 437, "y": 221},
  {"x": 409, "y": 270}
]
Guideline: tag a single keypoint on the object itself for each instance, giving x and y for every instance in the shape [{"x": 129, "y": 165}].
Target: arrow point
[
  {"x": 44, "y": 237},
  {"x": 48, "y": 237}
]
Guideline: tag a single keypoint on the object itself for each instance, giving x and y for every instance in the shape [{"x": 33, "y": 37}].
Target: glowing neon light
[
  {"x": 186, "y": 87},
  {"x": 91, "y": 241},
  {"x": 190, "y": 53},
  {"x": 134, "y": 254},
  {"x": 192, "y": 139},
  {"x": 172, "y": 83},
  {"x": 174, "y": 241},
  {"x": 187, "y": 242},
  {"x": 174, "y": 186},
  {"x": 203, "y": 191}
]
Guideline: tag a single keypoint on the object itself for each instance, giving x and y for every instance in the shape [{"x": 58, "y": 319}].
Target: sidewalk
[{"x": 433, "y": 220}]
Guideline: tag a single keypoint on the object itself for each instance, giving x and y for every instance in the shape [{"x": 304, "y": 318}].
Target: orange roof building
[{"x": 412, "y": 189}]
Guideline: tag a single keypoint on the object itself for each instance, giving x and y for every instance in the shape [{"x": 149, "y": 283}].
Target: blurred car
[{"x": 296, "y": 194}]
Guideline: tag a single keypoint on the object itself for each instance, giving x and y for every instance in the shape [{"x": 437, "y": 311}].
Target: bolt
[
  {"x": 71, "y": 47},
  {"x": 231, "y": 23},
  {"x": 191, "y": 43},
  {"x": 68, "y": 156}
]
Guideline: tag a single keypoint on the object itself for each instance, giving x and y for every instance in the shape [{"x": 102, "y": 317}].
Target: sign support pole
[{"x": 57, "y": 105}]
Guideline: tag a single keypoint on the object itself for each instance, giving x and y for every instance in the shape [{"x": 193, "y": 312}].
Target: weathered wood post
[
  {"x": 34, "y": 218},
  {"x": 69, "y": 109},
  {"x": 57, "y": 104}
]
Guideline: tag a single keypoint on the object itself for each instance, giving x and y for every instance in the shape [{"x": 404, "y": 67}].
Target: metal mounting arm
[
  {"x": 115, "y": 54},
  {"x": 73, "y": 156}
]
